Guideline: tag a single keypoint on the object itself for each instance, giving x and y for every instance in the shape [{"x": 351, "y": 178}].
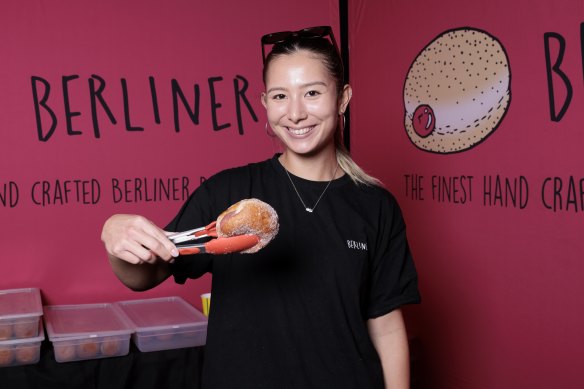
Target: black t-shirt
[{"x": 293, "y": 315}]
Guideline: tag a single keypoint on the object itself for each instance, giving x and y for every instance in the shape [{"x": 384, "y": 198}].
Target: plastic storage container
[
  {"x": 26, "y": 351},
  {"x": 20, "y": 313},
  {"x": 87, "y": 331},
  {"x": 165, "y": 323}
]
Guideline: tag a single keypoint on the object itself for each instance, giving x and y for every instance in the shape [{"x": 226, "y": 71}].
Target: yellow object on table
[{"x": 206, "y": 301}]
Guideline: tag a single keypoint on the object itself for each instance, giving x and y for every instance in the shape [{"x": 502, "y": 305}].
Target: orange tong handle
[
  {"x": 209, "y": 230},
  {"x": 232, "y": 244},
  {"x": 189, "y": 250}
]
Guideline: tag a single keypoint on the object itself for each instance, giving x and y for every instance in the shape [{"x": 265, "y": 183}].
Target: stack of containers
[
  {"x": 21, "y": 327},
  {"x": 165, "y": 323},
  {"x": 87, "y": 331},
  {"x": 92, "y": 331}
]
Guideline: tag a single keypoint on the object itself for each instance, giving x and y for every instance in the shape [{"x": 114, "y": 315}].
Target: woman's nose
[{"x": 296, "y": 110}]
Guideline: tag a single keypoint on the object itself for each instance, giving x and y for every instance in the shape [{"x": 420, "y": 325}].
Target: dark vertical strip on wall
[
  {"x": 344, "y": 24},
  {"x": 582, "y": 44}
]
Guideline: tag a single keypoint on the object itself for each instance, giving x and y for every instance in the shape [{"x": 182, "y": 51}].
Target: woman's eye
[
  {"x": 278, "y": 96},
  {"x": 312, "y": 93}
]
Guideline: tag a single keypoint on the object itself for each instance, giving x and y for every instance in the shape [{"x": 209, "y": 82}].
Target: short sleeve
[{"x": 393, "y": 276}]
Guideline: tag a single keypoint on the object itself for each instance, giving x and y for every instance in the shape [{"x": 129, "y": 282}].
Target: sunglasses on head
[{"x": 310, "y": 32}]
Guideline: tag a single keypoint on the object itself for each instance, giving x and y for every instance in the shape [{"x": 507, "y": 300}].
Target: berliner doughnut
[
  {"x": 27, "y": 354},
  {"x": 110, "y": 347},
  {"x": 65, "y": 353},
  {"x": 457, "y": 91},
  {"x": 25, "y": 329},
  {"x": 5, "y": 331},
  {"x": 249, "y": 216},
  {"x": 6, "y": 355},
  {"x": 87, "y": 350}
]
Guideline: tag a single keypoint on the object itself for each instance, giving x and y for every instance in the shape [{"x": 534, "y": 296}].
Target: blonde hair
[{"x": 350, "y": 167}]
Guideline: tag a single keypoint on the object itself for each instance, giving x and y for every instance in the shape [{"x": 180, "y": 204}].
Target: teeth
[{"x": 299, "y": 131}]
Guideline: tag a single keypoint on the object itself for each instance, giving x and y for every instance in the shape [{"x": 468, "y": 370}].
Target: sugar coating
[
  {"x": 110, "y": 347},
  {"x": 65, "y": 353},
  {"x": 249, "y": 216},
  {"x": 87, "y": 350},
  {"x": 5, "y": 331},
  {"x": 27, "y": 354},
  {"x": 6, "y": 355},
  {"x": 25, "y": 330}
]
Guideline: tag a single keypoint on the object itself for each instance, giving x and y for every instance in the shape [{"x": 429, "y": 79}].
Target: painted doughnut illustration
[{"x": 457, "y": 91}]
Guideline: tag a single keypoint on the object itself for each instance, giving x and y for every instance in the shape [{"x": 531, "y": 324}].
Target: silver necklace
[{"x": 308, "y": 209}]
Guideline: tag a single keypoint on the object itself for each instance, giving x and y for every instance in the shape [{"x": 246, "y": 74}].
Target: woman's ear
[
  {"x": 345, "y": 98},
  {"x": 263, "y": 98}
]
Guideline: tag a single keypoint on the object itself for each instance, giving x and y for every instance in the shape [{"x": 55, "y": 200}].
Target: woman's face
[{"x": 302, "y": 103}]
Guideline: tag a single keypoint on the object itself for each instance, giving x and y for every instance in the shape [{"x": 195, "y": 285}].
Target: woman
[{"x": 319, "y": 306}]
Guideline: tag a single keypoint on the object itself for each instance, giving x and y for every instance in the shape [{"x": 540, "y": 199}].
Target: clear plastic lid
[
  {"x": 85, "y": 320},
  {"x": 18, "y": 303},
  {"x": 161, "y": 313}
]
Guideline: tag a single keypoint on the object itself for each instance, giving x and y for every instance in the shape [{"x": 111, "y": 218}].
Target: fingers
[
  {"x": 155, "y": 240},
  {"x": 135, "y": 239},
  {"x": 136, "y": 255}
]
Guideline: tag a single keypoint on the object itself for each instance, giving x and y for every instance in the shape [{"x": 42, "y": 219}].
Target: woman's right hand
[{"x": 135, "y": 239}]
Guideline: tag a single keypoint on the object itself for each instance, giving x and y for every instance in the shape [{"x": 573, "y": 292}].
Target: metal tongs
[{"x": 183, "y": 241}]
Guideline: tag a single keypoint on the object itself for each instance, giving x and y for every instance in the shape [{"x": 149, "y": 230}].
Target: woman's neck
[{"x": 320, "y": 167}]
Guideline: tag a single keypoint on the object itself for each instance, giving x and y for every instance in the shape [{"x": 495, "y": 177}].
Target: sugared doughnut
[
  {"x": 5, "y": 331},
  {"x": 249, "y": 216},
  {"x": 25, "y": 329},
  {"x": 6, "y": 355},
  {"x": 87, "y": 350},
  {"x": 457, "y": 91},
  {"x": 27, "y": 354},
  {"x": 65, "y": 353},
  {"x": 110, "y": 347}
]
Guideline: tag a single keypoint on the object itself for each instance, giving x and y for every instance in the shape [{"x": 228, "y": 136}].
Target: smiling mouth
[{"x": 300, "y": 131}]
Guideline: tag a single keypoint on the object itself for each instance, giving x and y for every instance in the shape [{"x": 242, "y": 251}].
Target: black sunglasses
[{"x": 310, "y": 32}]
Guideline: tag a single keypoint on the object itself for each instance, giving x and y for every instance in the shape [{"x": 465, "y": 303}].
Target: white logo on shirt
[{"x": 356, "y": 245}]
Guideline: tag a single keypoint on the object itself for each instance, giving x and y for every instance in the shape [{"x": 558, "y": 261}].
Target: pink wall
[
  {"x": 502, "y": 298},
  {"x": 58, "y": 186},
  {"x": 501, "y": 282}
]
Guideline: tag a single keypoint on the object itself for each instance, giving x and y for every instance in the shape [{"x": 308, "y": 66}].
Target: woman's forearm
[{"x": 389, "y": 336}]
